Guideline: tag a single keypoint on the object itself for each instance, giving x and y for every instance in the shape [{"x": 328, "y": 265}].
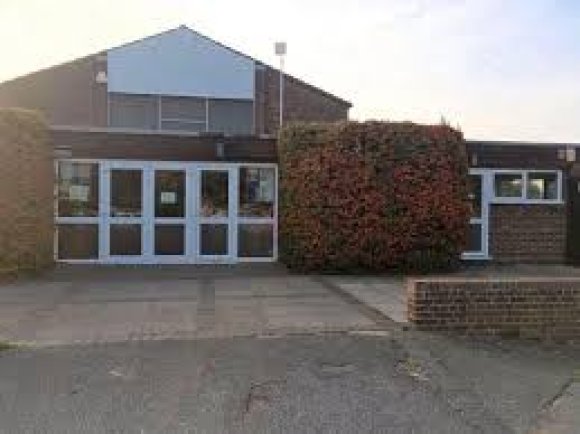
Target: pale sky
[{"x": 500, "y": 69}]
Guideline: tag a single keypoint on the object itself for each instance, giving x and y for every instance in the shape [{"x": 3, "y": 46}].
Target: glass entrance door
[
  {"x": 125, "y": 213},
  {"x": 153, "y": 212},
  {"x": 477, "y": 245},
  {"x": 215, "y": 214}
]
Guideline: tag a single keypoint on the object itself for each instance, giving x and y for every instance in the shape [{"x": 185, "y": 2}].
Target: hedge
[
  {"x": 26, "y": 192},
  {"x": 373, "y": 196}
]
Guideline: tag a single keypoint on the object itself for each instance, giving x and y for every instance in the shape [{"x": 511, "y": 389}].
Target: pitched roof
[{"x": 239, "y": 53}]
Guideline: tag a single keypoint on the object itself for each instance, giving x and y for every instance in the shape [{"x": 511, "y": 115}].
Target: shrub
[
  {"x": 372, "y": 196},
  {"x": 26, "y": 192}
]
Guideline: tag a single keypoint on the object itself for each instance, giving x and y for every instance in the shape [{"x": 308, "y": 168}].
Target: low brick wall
[
  {"x": 527, "y": 308},
  {"x": 528, "y": 233}
]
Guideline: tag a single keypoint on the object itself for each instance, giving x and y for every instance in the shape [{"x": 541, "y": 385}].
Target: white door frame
[
  {"x": 483, "y": 219},
  {"x": 192, "y": 220}
]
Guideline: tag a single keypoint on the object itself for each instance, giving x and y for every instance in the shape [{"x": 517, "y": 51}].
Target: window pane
[
  {"x": 169, "y": 240},
  {"x": 231, "y": 116},
  {"x": 214, "y": 239},
  {"x": 78, "y": 189},
  {"x": 183, "y": 108},
  {"x": 125, "y": 193},
  {"x": 214, "y": 193},
  {"x": 125, "y": 240},
  {"x": 542, "y": 186},
  {"x": 169, "y": 193},
  {"x": 474, "y": 241},
  {"x": 255, "y": 241},
  {"x": 78, "y": 241},
  {"x": 508, "y": 185},
  {"x": 475, "y": 195},
  {"x": 133, "y": 111},
  {"x": 257, "y": 190}
]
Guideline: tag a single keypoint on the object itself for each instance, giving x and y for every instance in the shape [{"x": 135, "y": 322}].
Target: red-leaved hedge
[{"x": 372, "y": 196}]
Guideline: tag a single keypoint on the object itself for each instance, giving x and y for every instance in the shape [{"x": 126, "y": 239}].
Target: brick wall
[
  {"x": 302, "y": 102},
  {"x": 66, "y": 94},
  {"x": 528, "y": 233},
  {"x": 528, "y": 308},
  {"x": 26, "y": 192}
]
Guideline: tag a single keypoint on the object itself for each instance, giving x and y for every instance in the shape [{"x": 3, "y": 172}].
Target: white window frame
[{"x": 523, "y": 198}]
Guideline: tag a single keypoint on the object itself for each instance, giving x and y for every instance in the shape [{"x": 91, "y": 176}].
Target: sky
[{"x": 498, "y": 69}]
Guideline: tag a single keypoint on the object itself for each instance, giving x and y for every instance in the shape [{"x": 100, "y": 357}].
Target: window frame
[
  {"x": 523, "y": 198},
  {"x": 205, "y": 123}
]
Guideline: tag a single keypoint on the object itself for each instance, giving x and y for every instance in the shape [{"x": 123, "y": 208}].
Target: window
[
  {"x": 257, "y": 189},
  {"x": 78, "y": 241},
  {"x": 170, "y": 193},
  {"x": 214, "y": 193},
  {"x": 508, "y": 185},
  {"x": 256, "y": 210},
  {"x": 133, "y": 111},
  {"x": 525, "y": 186},
  {"x": 78, "y": 189},
  {"x": 214, "y": 239},
  {"x": 474, "y": 239},
  {"x": 475, "y": 195},
  {"x": 542, "y": 185},
  {"x": 169, "y": 240},
  {"x": 255, "y": 240},
  {"x": 126, "y": 198},
  {"x": 125, "y": 240},
  {"x": 231, "y": 116},
  {"x": 183, "y": 113}
]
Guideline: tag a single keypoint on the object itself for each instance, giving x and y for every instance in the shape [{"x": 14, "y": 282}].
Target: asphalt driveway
[
  {"x": 83, "y": 305},
  {"x": 405, "y": 382}
]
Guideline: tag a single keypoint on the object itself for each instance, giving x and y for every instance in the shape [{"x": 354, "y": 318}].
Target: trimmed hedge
[
  {"x": 26, "y": 192},
  {"x": 372, "y": 196}
]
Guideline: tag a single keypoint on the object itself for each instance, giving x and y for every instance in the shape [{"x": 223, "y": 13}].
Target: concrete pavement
[
  {"x": 386, "y": 295},
  {"x": 88, "y": 309}
]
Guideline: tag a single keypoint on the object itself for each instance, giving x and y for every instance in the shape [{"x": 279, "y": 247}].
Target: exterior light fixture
[{"x": 280, "y": 50}]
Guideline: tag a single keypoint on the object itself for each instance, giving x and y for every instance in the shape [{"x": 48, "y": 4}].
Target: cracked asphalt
[{"x": 391, "y": 382}]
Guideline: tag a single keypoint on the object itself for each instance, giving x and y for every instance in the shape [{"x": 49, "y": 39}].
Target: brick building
[
  {"x": 165, "y": 149},
  {"x": 165, "y": 153}
]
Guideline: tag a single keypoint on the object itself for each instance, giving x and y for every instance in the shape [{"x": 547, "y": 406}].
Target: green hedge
[
  {"x": 372, "y": 196},
  {"x": 26, "y": 192}
]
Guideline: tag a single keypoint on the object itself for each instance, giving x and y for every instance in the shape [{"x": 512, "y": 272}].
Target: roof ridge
[{"x": 172, "y": 29}]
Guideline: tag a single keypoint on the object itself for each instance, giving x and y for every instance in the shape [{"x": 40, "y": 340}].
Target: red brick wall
[
  {"x": 302, "y": 102},
  {"x": 66, "y": 94},
  {"x": 529, "y": 308},
  {"x": 26, "y": 192},
  {"x": 528, "y": 233}
]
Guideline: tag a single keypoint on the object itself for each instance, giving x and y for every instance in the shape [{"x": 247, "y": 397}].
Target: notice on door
[
  {"x": 79, "y": 193},
  {"x": 168, "y": 198}
]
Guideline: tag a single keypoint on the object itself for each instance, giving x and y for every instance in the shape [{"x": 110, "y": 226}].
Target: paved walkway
[
  {"x": 562, "y": 417},
  {"x": 386, "y": 295},
  {"x": 65, "y": 309}
]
